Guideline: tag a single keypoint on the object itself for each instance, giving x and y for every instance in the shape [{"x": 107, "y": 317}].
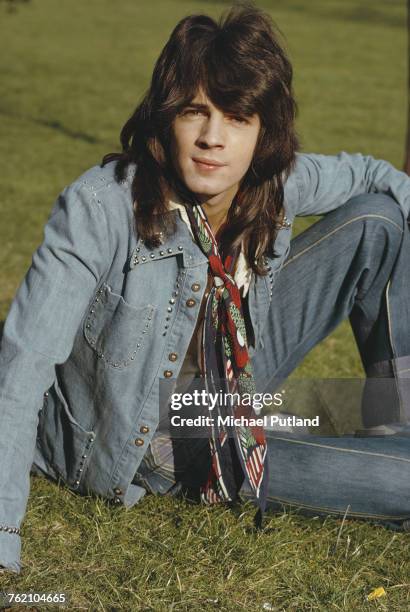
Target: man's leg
[
  {"x": 366, "y": 478},
  {"x": 350, "y": 264},
  {"x": 343, "y": 266}
]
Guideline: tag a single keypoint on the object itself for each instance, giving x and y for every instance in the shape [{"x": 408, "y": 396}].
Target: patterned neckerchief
[
  {"x": 237, "y": 450},
  {"x": 243, "y": 272}
]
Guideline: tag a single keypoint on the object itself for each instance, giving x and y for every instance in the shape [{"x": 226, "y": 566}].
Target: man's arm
[
  {"x": 325, "y": 182},
  {"x": 39, "y": 332}
]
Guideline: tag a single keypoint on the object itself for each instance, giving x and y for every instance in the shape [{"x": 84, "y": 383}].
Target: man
[{"x": 173, "y": 261}]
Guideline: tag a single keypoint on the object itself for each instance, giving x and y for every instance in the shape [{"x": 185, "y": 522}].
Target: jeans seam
[
  {"x": 298, "y": 504},
  {"x": 336, "y": 229},
  {"x": 394, "y": 352},
  {"x": 333, "y": 511},
  {"x": 389, "y": 319},
  {"x": 337, "y": 448}
]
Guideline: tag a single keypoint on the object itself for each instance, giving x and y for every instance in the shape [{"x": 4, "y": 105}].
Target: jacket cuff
[{"x": 10, "y": 551}]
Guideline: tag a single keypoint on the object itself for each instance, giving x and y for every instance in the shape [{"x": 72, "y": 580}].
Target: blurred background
[{"x": 73, "y": 71}]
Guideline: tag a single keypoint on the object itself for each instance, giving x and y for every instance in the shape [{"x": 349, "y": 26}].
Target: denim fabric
[
  {"x": 348, "y": 258},
  {"x": 367, "y": 478},
  {"x": 89, "y": 335}
]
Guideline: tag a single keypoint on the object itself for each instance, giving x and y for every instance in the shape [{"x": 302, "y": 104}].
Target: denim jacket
[{"x": 99, "y": 320}]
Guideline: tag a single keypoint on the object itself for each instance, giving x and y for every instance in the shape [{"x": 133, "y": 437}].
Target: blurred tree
[
  {"x": 407, "y": 157},
  {"x": 12, "y": 4}
]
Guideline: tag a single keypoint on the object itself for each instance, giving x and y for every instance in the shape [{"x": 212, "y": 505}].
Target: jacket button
[
  {"x": 172, "y": 356},
  {"x": 117, "y": 491},
  {"x": 195, "y": 286},
  {"x": 167, "y": 373},
  {"x": 144, "y": 429},
  {"x": 190, "y": 303},
  {"x": 138, "y": 442}
]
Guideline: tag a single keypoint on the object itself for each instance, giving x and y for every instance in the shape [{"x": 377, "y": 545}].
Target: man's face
[{"x": 212, "y": 151}]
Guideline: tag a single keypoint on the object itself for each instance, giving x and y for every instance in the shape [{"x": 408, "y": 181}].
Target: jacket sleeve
[
  {"x": 325, "y": 182},
  {"x": 38, "y": 334}
]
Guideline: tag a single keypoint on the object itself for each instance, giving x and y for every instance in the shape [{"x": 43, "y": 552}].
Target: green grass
[
  {"x": 169, "y": 555},
  {"x": 71, "y": 73}
]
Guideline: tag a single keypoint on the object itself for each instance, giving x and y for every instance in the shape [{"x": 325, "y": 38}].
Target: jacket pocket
[
  {"x": 116, "y": 330},
  {"x": 65, "y": 444}
]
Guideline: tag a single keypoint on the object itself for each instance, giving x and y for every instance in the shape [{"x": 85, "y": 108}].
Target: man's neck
[
  {"x": 216, "y": 208},
  {"x": 215, "y": 218}
]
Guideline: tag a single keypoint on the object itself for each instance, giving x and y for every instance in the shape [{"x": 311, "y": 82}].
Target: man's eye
[
  {"x": 238, "y": 119},
  {"x": 191, "y": 111}
]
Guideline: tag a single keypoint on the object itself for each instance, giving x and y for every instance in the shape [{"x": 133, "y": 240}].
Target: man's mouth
[{"x": 205, "y": 163}]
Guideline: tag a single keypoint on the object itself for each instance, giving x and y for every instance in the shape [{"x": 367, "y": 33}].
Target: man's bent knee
[{"x": 377, "y": 206}]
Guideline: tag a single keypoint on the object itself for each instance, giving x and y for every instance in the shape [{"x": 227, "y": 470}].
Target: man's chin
[
  {"x": 210, "y": 193},
  {"x": 204, "y": 193},
  {"x": 205, "y": 197}
]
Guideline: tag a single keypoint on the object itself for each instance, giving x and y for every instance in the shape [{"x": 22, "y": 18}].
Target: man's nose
[{"x": 212, "y": 132}]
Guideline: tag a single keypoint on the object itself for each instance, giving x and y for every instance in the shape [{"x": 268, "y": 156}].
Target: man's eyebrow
[
  {"x": 205, "y": 107},
  {"x": 196, "y": 105}
]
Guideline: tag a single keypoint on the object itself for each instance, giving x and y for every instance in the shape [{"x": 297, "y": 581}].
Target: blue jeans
[{"x": 353, "y": 264}]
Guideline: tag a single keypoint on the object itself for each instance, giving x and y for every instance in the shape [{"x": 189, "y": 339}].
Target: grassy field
[{"x": 71, "y": 73}]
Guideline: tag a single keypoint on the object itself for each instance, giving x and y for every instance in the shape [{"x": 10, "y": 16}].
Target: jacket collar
[{"x": 180, "y": 243}]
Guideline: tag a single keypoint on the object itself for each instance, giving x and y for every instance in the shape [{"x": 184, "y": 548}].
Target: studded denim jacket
[{"x": 100, "y": 320}]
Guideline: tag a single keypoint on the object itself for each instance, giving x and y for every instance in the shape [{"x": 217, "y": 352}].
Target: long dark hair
[{"x": 240, "y": 65}]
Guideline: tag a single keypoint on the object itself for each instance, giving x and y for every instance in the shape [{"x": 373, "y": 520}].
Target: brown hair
[{"x": 242, "y": 68}]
